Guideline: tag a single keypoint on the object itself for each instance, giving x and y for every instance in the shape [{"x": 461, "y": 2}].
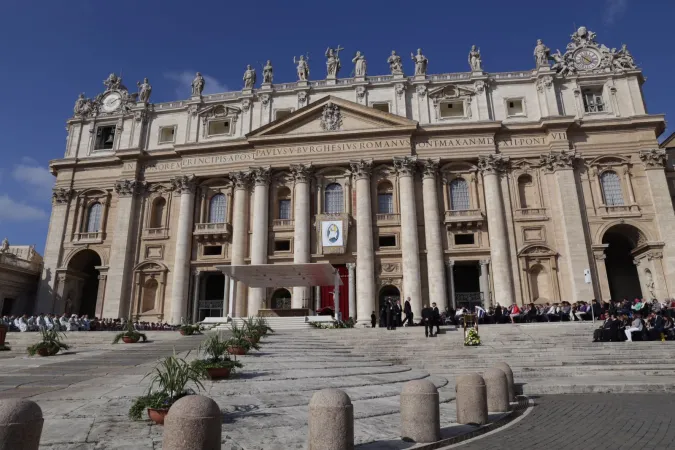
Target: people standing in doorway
[
  {"x": 427, "y": 320},
  {"x": 436, "y": 317},
  {"x": 373, "y": 320},
  {"x": 391, "y": 315},
  {"x": 407, "y": 309}
]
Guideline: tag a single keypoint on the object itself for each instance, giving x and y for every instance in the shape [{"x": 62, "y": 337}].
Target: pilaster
[
  {"x": 184, "y": 186},
  {"x": 261, "y": 180}
]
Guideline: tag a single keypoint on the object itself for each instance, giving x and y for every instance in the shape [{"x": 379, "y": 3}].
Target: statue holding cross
[{"x": 333, "y": 61}]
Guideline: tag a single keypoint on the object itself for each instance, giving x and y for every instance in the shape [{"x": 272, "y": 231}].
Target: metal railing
[
  {"x": 388, "y": 218},
  {"x": 283, "y": 223}
]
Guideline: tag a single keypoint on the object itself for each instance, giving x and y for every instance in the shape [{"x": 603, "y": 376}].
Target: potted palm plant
[
  {"x": 263, "y": 326},
  {"x": 169, "y": 382},
  {"x": 50, "y": 343},
  {"x": 130, "y": 335},
  {"x": 189, "y": 330},
  {"x": 216, "y": 363},
  {"x": 240, "y": 343}
]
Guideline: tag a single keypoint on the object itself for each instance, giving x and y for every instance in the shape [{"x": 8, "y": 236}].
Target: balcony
[
  {"x": 620, "y": 211},
  {"x": 283, "y": 224},
  {"x": 156, "y": 233},
  {"x": 530, "y": 214},
  {"x": 95, "y": 237},
  {"x": 388, "y": 219},
  {"x": 213, "y": 231},
  {"x": 464, "y": 218}
]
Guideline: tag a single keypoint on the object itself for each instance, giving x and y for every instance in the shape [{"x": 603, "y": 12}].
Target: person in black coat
[
  {"x": 373, "y": 320},
  {"x": 407, "y": 310},
  {"x": 398, "y": 311},
  {"x": 383, "y": 316},
  {"x": 391, "y": 315},
  {"x": 436, "y": 317},
  {"x": 427, "y": 320}
]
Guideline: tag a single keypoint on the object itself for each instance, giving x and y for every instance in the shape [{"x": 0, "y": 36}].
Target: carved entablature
[
  {"x": 260, "y": 175},
  {"x": 127, "y": 188},
  {"x": 301, "y": 172},
  {"x": 654, "y": 158},
  {"x": 184, "y": 183},
  {"x": 405, "y": 165},
  {"x": 217, "y": 113},
  {"x": 361, "y": 169},
  {"x": 493, "y": 163},
  {"x": 61, "y": 195},
  {"x": 558, "y": 160}
]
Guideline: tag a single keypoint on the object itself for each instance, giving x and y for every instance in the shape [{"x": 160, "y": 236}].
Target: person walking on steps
[
  {"x": 407, "y": 310},
  {"x": 428, "y": 320}
]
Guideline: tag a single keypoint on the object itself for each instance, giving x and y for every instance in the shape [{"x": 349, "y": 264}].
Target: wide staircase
[{"x": 276, "y": 323}]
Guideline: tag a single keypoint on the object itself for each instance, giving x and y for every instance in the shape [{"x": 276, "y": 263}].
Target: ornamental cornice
[
  {"x": 184, "y": 184},
  {"x": 430, "y": 167},
  {"x": 61, "y": 195},
  {"x": 240, "y": 179},
  {"x": 654, "y": 158},
  {"x": 361, "y": 169},
  {"x": 127, "y": 188},
  {"x": 493, "y": 163},
  {"x": 405, "y": 165},
  {"x": 301, "y": 172},
  {"x": 563, "y": 160},
  {"x": 260, "y": 175}
]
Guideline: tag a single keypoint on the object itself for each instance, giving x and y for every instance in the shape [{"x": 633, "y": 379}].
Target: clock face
[
  {"x": 586, "y": 59},
  {"x": 111, "y": 102}
]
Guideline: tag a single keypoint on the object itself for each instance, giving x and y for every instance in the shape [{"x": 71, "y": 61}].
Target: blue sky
[{"x": 51, "y": 51}]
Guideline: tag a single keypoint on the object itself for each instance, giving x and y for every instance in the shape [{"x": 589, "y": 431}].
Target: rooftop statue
[
  {"x": 268, "y": 73},
  {"x": 359, "y": 65},
  {"x": 198, "y": 85},
  {"x": 395, "y": 64},
  {"x": 249, "y": 77},
  {"x": 333, "y": 61},
  {"x": 302, "y": 68},
  {"x": 542, "y": 54},
  {"x": 421, "y": 62},
  {"x": 475, "y": 61},
  {"x": 144, "y": 90}
]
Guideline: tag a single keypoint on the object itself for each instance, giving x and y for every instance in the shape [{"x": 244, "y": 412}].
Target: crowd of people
[{"x": 75, "y": 323}]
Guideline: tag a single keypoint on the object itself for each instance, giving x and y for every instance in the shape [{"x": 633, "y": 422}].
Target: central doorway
[
  {"x": 466, "y": 275},
  {"x": 327, "y": 293},
  {"x": 622, "y": 273},
  {"x": 388, "y": 293},
  {"x": 214, "y": 290},
  {"x": 281, "y": 299},
  {"x": 84, "y": 264}
]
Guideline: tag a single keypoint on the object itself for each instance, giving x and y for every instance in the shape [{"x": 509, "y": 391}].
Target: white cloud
[
  {"x": 614, "y": 9},
  {"x": 28, "y": 160},
  {"x": 11, "y": 210},
  {"x": 184, "y": 83},
  {"x": 34, "y": 175}
]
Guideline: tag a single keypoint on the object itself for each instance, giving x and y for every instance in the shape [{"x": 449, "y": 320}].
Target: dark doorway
[
  {"x": 7, "y": 307},
  {"x": 84, "y": 265},
  {"x": 622, "y": 273},
  {"x": 214, "y": 291},
  {"x": 466, "y": 276},
  {"x": 388, "y": 293},
  {"x": 281, "y": 299}
]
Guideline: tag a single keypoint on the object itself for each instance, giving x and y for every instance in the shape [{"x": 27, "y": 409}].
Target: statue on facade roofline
[
  {"x": 249, "y": 77},
  {"x": 542, "y": 54},
  {"x": 395, "y": 64},
  {"x": 333, "y": 62},
  {"x": 198, "y": 85},
  {"x": 268, "y": 73},
  {"x": 5, "y": 246},
  {"x": 359, "y": 65},
  {"x": 83, "y": 106},
  {"x": 421, "y": 62},
  {"x": 113, "y": 82},
  {"x": 144, "y": 90},
  {"x": 302, "y": 68},
  {"x": 475, "y": 61}
]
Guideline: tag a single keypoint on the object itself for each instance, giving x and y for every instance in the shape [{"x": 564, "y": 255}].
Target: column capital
[
  {"x": 405, "y": 165},
  {"x": 361, "y": 169},
  {"x": 654, "y": 158},
  {"x": 351, "y": 266},
  {"x": 430, "y": 167},
  {"x": 240, "y": 179},
  {"x": 493, "y": 163},
  {"x": 260, "y": 175},
  {"x": 184, "y": 184},
  {"x": 484, "y": 262},
  {"x": 302, "y": 172},
  {"x": 558, "y": 160},
  {"x": 450, "y": 264},
  {"x": 61, "y": 196},
  {"x": 599, "y": 256},
  {"x": 127, "y": 188}
]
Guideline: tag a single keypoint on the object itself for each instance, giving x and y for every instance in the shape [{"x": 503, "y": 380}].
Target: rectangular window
[
  {"x": 213, "y": 250},
  {"x": 515, "y": 108},
  {"x": 387, "y": 241},
  {"x": 105, "y": 137},
  {"x": 384, "y": 107},
  {"x": 281, "y": 113},
  {"x": 167, "y": 135},
  {"x": 385, "y": 203},
  {"x": 218, "y": 127},
  {"x": 285, "y": 209},
  {"x": 464, "y": 239},
  {"x": 593, "y": 101},
  {"x": 282, "y": 245},
  {"x": 452, "y": 109}
]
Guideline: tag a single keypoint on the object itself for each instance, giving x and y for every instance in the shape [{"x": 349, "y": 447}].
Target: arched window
[
  {"x": 526, "y": 191},
  {"x": 94, "y": 218},
  {"x": 217, "y": 209},
  {"x": 157, "y": 216},
  {"x": 385, "y": 198},
  {"x": 459, "y": 195},
  {"x": 611, "y": 188},
  {"x": 284, "y": 199},
  {"x": 333, "y": 199},
  {"x": 149, "y": 295}
]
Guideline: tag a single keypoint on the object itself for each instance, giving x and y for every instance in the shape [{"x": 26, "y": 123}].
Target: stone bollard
[
  {"x": 193, "y": 423},
  {"x": 331, "y": 421},
  {"x": 509, "y": 376},
  {"x": 420, "y": 414},
  {"x": 471, "y": 400},
  {"x": 20, "y": 424},
  {"x": 497, "y": 387}
]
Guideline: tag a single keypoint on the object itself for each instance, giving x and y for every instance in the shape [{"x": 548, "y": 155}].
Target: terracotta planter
[
  {"x": 130, "y": 339},
  {"x": 218, "y": 372},
  {"x": 47, "y": 351},
  {"x": 158, "y": 415},
  {"x": 236, "y": 350},
  {"x": 186, "y": 333}
]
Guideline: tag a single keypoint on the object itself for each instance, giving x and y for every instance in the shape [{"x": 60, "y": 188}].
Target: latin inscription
[
  {"x": 467, "y": 142},
  {"x": 331, "y": 148}
]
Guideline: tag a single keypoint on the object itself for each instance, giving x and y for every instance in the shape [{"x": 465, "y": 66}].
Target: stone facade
[
  {"x": 20, "y": 269},
  {"x": 458, "y": 188}
]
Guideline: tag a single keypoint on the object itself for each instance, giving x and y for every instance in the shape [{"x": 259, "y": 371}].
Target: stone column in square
[
  {"x": 491, "y": 166},
  {"x": 239, "y": 237},
  {"x": 654, "y": 161},
  {"x": 261, "y": 194},
  {"x": 184, "y": 186},
  {"x": 410, "y": 247},
  {"x": 351, "y": 267},
  {"x": 55, "y": 236},
  {"x": 301, "y": 234},
  {"x": 432, "y": 234},
  {"x": 365, "y": 255},
  {"x": 119, "y": 272},
  {"x": 574, "y": 230},
  {"x": 450, "y": 266}
]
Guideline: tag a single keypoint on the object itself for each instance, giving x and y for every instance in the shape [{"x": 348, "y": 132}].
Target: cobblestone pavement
[{"x": 588, "y": 422}]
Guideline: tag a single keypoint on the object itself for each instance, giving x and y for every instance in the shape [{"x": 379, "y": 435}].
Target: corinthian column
[
  {"x": 184, "y": 186},
  {"x": 301, "y": 251},
  {"x": 261, "y": 178},
  {"x": 491, "y": 165},
  {"x": 432, "y": 234},
  {"x": 239, "y": 238},
  {"x": 365, "y": 256},
  {"x": 410, "y": 247}
]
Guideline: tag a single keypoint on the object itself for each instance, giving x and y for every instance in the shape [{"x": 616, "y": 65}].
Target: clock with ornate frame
[
  {"x": 111, "y": 102},
  {"x": 586, "y": 59}
]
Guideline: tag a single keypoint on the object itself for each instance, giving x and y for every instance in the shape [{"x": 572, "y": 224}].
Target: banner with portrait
[{"x": 331, "y": 233}]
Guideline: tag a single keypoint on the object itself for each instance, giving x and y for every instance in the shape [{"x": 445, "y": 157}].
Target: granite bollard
[
  {"x": 497, "y": 387},
  {"x": 471, "y": 400},
  {"x": 193, "y": 423},
  {"x": 420, "y": 414},
  {"x": 331, "y": 421},
  {"x": 509, "y": 376},
  {"x": 20, "y": 424}
]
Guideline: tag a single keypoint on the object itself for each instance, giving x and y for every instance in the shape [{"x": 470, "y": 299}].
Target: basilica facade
[{"x": 477, "y": 187}]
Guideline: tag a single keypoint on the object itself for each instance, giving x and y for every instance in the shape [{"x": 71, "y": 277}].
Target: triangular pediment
[{"x": 332, "y": 115}]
